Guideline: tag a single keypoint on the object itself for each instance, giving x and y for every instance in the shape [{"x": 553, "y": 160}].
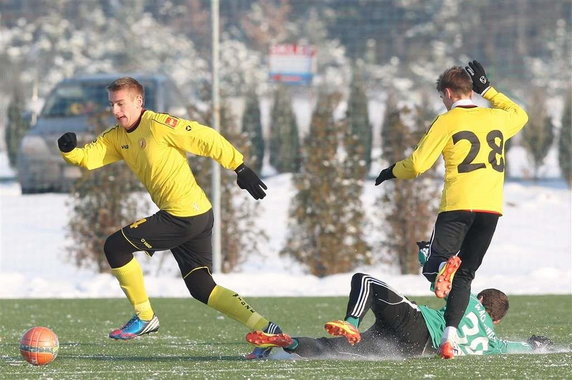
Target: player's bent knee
[
  {"x": 118, "y": 250},
  {"x": 200, "y": 284},
  {"x": 358, "y": 276},
  {"x": 357, "y": 279}
]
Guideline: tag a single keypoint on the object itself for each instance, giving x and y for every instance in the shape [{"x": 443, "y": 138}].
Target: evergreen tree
[
  {"x": 358, "y": 115},
  {"x": 285, "y": 154},
  {"x": 325, "y": 215},
  {"x": 16, "y": 127},
  {"x": 102, "y": 201},
  {"x": 408, "y": 205},
  {"x": 538, "y": 134},
  {"x": 390, "y": 139},
  {"x": 252, "y": 127},
  {"x": 565, "y": 142},
  {"x": 354, "y": 170}
]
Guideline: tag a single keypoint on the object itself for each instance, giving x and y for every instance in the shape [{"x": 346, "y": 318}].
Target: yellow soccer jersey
[
  {"x": 156, "y": 152},
  {"x": 472, "y": 142}
]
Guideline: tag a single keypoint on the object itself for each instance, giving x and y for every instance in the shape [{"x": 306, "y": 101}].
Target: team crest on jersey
[
  {"x": 171, "y": 122},
  {"x": 142, "y": 143}
]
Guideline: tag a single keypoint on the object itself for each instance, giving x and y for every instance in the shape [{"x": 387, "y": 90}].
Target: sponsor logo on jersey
[
  {"x": 171, "y": 122},
  {"x": 125, "y": 146},
  {"x": 146, "y": 243},
  {"x": 142, "y": 143},
  {"x": 188, "y": 128}
]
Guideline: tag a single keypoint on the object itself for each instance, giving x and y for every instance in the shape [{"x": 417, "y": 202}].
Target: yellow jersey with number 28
[{"x": 471, "y": 140}]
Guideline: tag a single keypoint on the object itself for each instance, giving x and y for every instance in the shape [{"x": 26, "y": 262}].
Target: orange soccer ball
[{"x": 39, "y": 345}]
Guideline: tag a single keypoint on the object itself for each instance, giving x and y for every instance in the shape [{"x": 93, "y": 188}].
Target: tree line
[{"x": 378, "y": 46}]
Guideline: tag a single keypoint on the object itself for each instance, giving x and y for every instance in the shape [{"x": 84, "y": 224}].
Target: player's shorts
[
  {"x": 188, "y": 238},
  {"x": 466, "y": 233},
  {"x": 397, "y": 321}
]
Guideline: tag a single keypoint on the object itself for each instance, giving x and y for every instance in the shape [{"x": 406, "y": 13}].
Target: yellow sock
[
  {"x": 231, "y": 304},
  {"x": 130, "y": 277}
]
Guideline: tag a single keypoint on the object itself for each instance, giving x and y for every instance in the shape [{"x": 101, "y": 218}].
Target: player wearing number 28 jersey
[{"x": 472, "y": 141}]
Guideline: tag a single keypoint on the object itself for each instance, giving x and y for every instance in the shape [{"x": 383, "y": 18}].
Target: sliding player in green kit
[{"x": 403, "y": 328}]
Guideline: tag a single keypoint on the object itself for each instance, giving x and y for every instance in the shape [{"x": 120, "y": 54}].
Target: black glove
[
  {"x": 539, "y": 342},
  {"x": 67, "y": 142},
  {"x": 478, "y": 76},
  {"x": 385, "y": 175},
  {"x": 247, "y": 179}
]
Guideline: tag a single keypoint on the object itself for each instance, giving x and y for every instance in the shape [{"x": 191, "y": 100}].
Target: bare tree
[{"x": 267, "y": 23}]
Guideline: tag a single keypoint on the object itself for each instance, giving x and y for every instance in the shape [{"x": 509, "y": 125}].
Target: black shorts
[
  {"x": 188, "y": 238},
  {"x": 464, "y": 233},
  {"x": 397, "y": 321}
]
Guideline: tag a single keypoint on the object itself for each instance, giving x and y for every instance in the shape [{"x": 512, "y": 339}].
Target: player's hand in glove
[
  {"x": 67, "y": 142},
  {"x": 248, "y": 180},
  {"x": 540, "y": 343},
  {"x": 477, "y": 73},
  {"x": 384, "y": 175}
]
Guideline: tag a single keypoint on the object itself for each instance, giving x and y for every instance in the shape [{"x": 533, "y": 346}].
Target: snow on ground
[{"x": 530, "y": 254}]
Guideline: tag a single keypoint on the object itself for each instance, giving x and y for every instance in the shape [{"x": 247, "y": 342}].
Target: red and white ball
[{"x": 39, "y": 345}]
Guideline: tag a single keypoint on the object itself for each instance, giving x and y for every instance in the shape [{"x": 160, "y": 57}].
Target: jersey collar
[
  {"x": 463, "y": 103},
  {"x": 134, "y": 127}
]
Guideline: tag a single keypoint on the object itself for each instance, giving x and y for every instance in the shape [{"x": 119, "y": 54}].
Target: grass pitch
[{"x": 197, "y": 342}]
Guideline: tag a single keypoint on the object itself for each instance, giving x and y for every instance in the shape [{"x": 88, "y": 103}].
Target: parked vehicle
[{"x": 75, "y": 105}]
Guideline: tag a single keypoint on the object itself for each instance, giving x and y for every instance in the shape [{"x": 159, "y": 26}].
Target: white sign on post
[{"x": 292, "y": 63}]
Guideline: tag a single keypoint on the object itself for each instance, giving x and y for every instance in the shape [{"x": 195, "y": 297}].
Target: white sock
[{"x": 449, "y": 335}]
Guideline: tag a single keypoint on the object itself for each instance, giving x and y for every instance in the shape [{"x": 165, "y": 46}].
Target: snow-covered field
[{"x": 531, "y": 252}]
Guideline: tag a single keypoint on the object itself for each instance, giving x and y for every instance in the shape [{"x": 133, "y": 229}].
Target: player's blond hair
[{"x": 127, "y": 83}]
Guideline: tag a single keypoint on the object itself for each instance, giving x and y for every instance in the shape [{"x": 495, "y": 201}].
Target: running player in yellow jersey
[
  {"x": 154, "y": 146},
  {"x": 472, "y": 141}
]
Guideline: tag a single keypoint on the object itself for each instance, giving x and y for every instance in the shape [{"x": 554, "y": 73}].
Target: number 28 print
[{"x": 495, "y": 141}]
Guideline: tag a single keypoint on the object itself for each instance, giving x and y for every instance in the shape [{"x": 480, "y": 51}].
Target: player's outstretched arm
[
  {"x": 540, "y": 343},
  {"x": 384, "y": 175},
  {"x": 67, "y": 142},
  {"x": 247, "y": 179}
]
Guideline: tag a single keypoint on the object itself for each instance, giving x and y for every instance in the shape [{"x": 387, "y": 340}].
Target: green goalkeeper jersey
[{"x": 476, "y": 331}]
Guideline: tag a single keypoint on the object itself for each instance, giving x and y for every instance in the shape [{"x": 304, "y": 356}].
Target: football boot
[
  {"x": 444, "y": 280},
  {"x": 135, "y": 327},
  {"x": 345, "y": 329}
]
